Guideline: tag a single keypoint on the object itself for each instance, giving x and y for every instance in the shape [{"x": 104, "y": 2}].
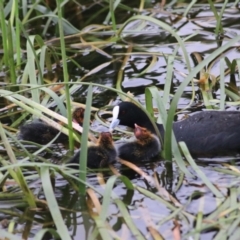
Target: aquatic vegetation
[{"x": 173, "y": 57}]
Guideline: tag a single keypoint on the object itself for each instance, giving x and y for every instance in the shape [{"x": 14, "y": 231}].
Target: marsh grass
[{"x": 38, "y": 83}]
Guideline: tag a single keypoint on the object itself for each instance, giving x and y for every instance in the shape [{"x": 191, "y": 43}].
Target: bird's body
[
  {"x": 144, "y": 147},
  {"x": 42, "y": 133},
  {"x": 206, "y": 133},
  {"x": 101, "y": 154},
  {"x": 210, "y": 133}
]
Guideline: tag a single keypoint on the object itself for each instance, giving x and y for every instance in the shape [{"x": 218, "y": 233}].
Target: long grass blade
[
  {"x": 53, "y": 205},
  {"x": 65, "y": 74},
  {"x": 16, "y": 173},
  {"x": 127, "y": 218},
  {"x": 199, "y": 172},
  {"x": 222, "y": 85},
  {"x": 108, "y": 193},
  {"x": 168, "y": 147},
  {"x": 40, "y": 234},
  {"x": 84, "y": 143}
]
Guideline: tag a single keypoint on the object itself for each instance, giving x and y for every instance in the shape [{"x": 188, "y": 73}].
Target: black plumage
[
  {"x": 101, "y": 154},
  {"x": 144, "y": 147},
  {"x": 206, "y": 133}
]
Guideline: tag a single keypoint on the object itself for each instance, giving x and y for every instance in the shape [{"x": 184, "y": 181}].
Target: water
[{"x": 150, "y": 46}]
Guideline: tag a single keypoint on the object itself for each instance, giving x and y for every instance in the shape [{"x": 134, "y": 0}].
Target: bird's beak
[
  {"x": 113, "y": 124},
  {"x": 115, "y": 120}
]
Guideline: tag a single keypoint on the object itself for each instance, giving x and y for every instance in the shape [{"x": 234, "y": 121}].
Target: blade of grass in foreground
[
  {"x": 10, "y": 53},
  {"x": 168, "y": 81},
  {"x": 84, "y": 143},
  {"x": 31, "y": 69},
  {"x": 219, "y": 26},
  {"x": 102, "y": 226},
  {"x": 128, "y": 220},
  {"x": 168, "y": 204},
  {"x": 65, "y": 74},
  {"x": 104, "y": 232},
  {"x": 198, "y": 171},
  {"x": 40, "y": 235},
  {"x": 53, "y": 205},
  {"x": 199, "y": 220},
  {"x": 238, "y": 65},
  {"x": 222, "y": 85},
  {"x": 112, "y": 6},
  {"x": 108, "y": 193},
  {"x": 4, "y": 35},
  {"x": 172, "y": 146},
  {"x": 17, "y": 173}
]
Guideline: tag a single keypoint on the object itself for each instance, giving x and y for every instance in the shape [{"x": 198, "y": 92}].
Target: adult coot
[
  {"x": 206, "y": 133},
  {"x": 145, "y": 146},
  {"x": 42, "y": 133},
  {"x": 101, "y": 154}
]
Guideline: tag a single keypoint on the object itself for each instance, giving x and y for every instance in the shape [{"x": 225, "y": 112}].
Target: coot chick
[
  {"x": 42, "y": 133},
  {"x": 206, "y": 133},
  {"x": 101, "y": 154},
  {"x": 143, "y": 148}
]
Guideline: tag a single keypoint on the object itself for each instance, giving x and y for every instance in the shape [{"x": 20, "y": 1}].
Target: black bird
[
  {"x": 144, "y": 147},
  {"x": 206, "y": 133},
  {"x": 101, "y": 154},
  {"x": 42, "y": 133}
]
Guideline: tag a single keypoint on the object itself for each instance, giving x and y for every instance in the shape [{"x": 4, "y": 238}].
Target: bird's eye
[{"x": 123, "y": 111}]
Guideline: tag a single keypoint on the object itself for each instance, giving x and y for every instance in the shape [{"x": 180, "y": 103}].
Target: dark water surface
[{"x": 189, "y": 192}]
